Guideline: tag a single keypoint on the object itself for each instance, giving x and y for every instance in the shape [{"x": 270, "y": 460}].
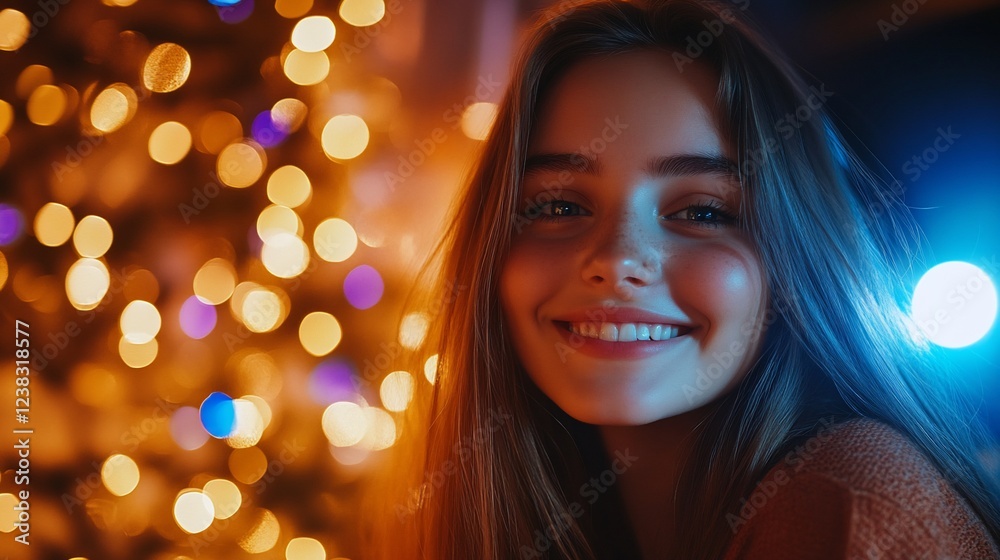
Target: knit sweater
[{"x": 857, "y": 490}]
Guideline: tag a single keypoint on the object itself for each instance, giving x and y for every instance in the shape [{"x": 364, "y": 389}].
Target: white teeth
[{"x": 625, "y": 332}]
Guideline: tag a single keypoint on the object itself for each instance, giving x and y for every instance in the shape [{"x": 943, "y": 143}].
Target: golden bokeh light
[
  {"x": 345, "y": 137},
  {"x": 87, "y": 281},
  {"x": 276, "y": 220},
  {"x": 344, "y": 423},
  {"x": 430, "y": 368},
  {"x": 3, "y": 270},
  {"x": 249, "y": 425},
  {"x": 14, "y": 29},
  {"x": 169, "y": 143},
  {"x": 304, "y": 548},
  {"x": 285, "y": 255},
  {"x": 193, "y": 510},
  {"x": 362, "y": 13},
  {"x": 92, "y": 237},
  {"x": 288, "y": 186},
  {"x": 335, "y": 240},
  {"x": 396, "y": 391},
  {"x": 119, "y": 3},
  {"x": 8, "y": 515},
  {"x": 214, "y": 282},
  {"x": 30, "y": 78},
  {"x": 217, "y": 130},
  {"x": 291, "y": 9},
  {"x": 319, "y": 333},
  {"x": 120, "y": 474},
  {"x": 262, "y": 310},
  {"x": 247, "y": 465},
  {"x": 140, "y": 322},
  {"x": 477, "y": 120},
  {"x": 47, "y": 105},
  {"x": 113, "y": 108},
  {"x": 6, "y": 117},
  {"x": 225, "y": 496},
  {"x": 381, "y": 432},
  {"x": 241, "y": 164},
  {"x": 138, "y": 356},
  {"x": 54, "y": 224},
  {"x": 313, "y": 34},
  {"x": 289, "y": 114},
  {"x": 413, "y": 330},
  {"x": 166, "y": 68},
  {"x": 263, "y": 534},
  {"x": 306, "y": 68},
  {"x": 263, "y": 408}
]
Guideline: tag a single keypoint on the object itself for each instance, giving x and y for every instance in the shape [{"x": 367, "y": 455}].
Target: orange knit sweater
[{"x": 857, "y": 490}]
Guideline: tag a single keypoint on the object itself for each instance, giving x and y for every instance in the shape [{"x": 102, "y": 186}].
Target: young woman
[{"x": 669, "y": 323}]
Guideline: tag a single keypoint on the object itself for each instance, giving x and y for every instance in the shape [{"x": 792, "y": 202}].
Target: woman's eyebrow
[
  {"x": 679, "y": 164},
  {"x": 693, "y": 164}
]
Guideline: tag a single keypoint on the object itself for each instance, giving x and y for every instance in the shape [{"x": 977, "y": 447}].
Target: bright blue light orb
[
  {"x": 954, "y": 304},
  {"x": 218, "y": 415},
  {"x": 224, "y": 3}
]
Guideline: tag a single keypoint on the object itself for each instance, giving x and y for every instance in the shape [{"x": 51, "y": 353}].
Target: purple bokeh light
[
  {"x": 197, "y": 318},
  {"x": 11, "y": 224},
  {"x": 234, "y": 12},
  {"x": 266, "y": 132},
  {"x": 331, "y": 381},
  {"x": 363, "y": 287}
]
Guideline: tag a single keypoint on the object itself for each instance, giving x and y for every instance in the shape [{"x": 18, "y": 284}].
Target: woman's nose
[{"x": 625, "y": 255}]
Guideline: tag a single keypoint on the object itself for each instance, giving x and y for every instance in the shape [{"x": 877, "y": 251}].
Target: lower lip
[{"x": 597, "y": 348}]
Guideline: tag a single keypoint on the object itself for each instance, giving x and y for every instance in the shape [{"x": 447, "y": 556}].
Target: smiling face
[{"x": 630, "y": 234}]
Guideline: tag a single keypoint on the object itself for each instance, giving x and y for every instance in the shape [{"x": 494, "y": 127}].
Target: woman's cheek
[{"x": 720, "y": 282}]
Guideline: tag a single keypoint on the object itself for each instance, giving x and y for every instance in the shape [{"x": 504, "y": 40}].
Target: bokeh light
[
  {"x": 319, "y": 333},
  {"x": 288, "y": 186},
  {"x": 363, "y": 287},
  {"x": 167, "y": 68},
  {"x": 92, "y": 237},
  {"x": 169, "y": 143},
  {"x": 140, "y": 322},
  {"x": 285, "y": 255},
  {"x": 362, "y": 13},
  {"x": 954, "y": 304},
  {"x": 345, "y": 137},
  {"x": 215, "y": 281},
  {"x": 11, "y": 224},
  {"x": 241, "y": 164},
  {"x": 193, "y": 511},
  {"x": 6, "y": 117},
  {"x": 218, "y": 415},
  {"x": 225, "y": 495},
  {"x": 344, "y": 423},
  {"x": 120, "y": 474},
  {"x": 335, "y": 240},
  {"x": 304, "y": 548},
  {"x": 197, "y": 318},
  {"x": 313, "y": 34},
  {"x": 47, "y": 105},
  {"x": 396, "y": 391},
  {"x": 87, "y": 281},
  {"x": 430, "y": 368},
  {"x": 306, "y": 68},
  {"x": 113, "y": 107},
  {"x": 54, "y": 224},
  {"x": 333, "y": 380},
  {"x": 186, "y": 428},
  {"x": 14, "y": 29}
]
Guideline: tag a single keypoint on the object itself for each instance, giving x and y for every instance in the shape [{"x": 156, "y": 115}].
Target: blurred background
[{"x": 210, "y": 213}]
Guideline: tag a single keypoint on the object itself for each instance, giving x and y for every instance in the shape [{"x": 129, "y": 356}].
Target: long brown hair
[{"x": 481, "y": 466}]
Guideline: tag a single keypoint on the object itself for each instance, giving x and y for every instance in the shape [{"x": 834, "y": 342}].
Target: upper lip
[{"x": 619, "y": 315}]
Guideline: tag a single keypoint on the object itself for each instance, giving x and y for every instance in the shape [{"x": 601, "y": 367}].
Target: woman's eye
[
  {"x": 554, "y": 210},
  {"x": 705, "y": 215}
]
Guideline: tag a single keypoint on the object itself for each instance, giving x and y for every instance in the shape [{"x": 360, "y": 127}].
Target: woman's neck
[{"x": 655, "y": 455}]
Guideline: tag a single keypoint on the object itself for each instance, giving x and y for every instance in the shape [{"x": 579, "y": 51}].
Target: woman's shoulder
[{"x": 857, "y": 489}]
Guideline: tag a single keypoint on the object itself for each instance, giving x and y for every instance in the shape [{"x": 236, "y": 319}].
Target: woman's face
[{"x": 630, "y": 292}]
